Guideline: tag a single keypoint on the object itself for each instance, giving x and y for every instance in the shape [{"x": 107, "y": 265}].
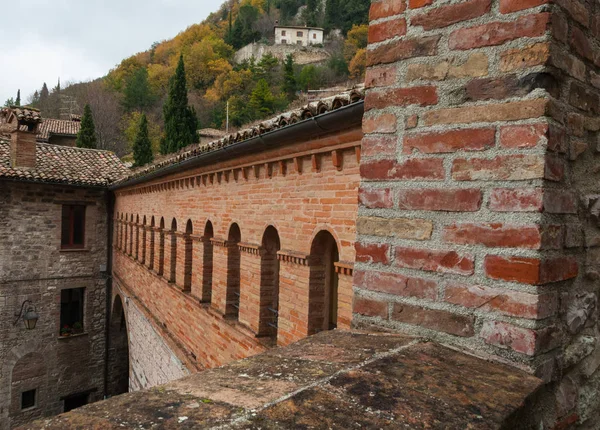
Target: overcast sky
[{"x": 77, "y": 40}]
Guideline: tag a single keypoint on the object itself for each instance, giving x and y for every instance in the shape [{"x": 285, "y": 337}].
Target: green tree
[
  {"x": 87, "y": 134},
  {"x": 289, "y": 78},
  {"x": 180, "y": 120},
  {"x": 142, "y": 147},
  {"x": 309, "y": 77},
  {"x": 312, "y": 13},
  {"x": 137, "y": 94},
  {"x": 262, "y": 101},
  {"x": 289, "y": 9},
  {"x": 44, "y": 95},
  {"x": 18, "y": 99},
  {"x": 9, "y": 102},
  {"x": 243, "y": 29}
]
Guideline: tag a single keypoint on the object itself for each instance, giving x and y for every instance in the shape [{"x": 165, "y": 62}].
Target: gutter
[{"x": 329, "y": 122}]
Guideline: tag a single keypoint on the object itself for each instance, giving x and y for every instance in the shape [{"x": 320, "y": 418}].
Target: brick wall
[
  {"x": 32, "y": 267},
  {"x": 480, "y": 166},
  {"x": 299, "y": 190}
]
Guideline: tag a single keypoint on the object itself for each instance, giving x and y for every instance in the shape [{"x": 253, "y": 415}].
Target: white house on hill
[{"x": 304, "y": 36}]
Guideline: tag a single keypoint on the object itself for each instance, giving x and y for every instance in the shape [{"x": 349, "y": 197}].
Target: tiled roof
[
  {"x": 49, "y": 127},
  {"x": 292, "y": 117},
  {"x": 65, "y": 165}
]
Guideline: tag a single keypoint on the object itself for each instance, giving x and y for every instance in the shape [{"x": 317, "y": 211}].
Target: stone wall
[
  {"x": 301, "y": 54},
  {"x": 477, "y": 218},
  {"x": 33, "y": 267},
  {"x": 182, "y": 279}
]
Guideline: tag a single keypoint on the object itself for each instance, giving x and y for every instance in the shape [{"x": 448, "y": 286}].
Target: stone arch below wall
[{"x": 118, "y": 352}]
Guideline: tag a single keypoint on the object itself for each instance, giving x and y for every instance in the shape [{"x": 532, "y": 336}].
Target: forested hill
[{"x": 254, "y": 90}]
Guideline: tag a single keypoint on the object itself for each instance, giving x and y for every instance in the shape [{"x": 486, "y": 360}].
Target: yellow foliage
[
  {"x": 158, "y": 77},
  {"x": 228, "y": 84},
  {"x": 358, "y": 64},
  {"x": 357, "y": 39},
  {"x": 130, "y": 124}
]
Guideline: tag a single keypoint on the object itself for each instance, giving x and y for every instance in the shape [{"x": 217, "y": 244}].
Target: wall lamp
[{"x": 30, "y": 316}]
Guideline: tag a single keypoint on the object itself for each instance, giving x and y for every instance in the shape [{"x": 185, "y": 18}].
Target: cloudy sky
[{"x": 77, "y": 40}]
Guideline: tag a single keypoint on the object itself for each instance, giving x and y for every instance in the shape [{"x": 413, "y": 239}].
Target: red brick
[
  {"x": 504, "y": 167},
  {"x": 375, "y": 198},
  {"x": 450, "y": 141},
  {"x": 506, "y": 302},
  {"x": 494, "y": 235},
  {"x": 402, "y": 50},
  {"x": 531, "y": 270},
  {"x": 435, "y": 261},
  {"x": 422, "y": 96},
  {"x": 386, "y": 8},
  {"x": 371, "y": 308},
  {"x": 447, "y": 15},
  {"x": 581, "y": 44},
  {"x": 387, "y": 30},
  {"x": 523, "y": 340},
  {"x": 560, "y": 202},
  {"x": 498, "y": 33},
  {"x": 554, "y": 168},
  {"x": 433, "y": 319},
  {"x": 386, "y": 123},
  {"x": 416, "y": 168},
  {"x": 516, "y": 200},
  {"x": 379, "y": 145},
  {"x": 416, "y": 4},
  {"x": 449, "y": 200},
  {"x": 381, "y": 76},
  {"x": 372, "y": 253},
  {"x": 412, "y": 121},
  {"x": 395, "y": 284},
  {"x": 509, "y": 6},
  {"x": 577, "y": 10},
  {"x": 523, "y": 136}
]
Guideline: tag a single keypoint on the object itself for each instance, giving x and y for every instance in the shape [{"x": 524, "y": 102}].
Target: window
[
  {"x": 300, "y": 34},
  {"x": 314, "y": 35},
  {"x": 73, "y": 226},
  {"x": 299, "y": 42},
  {"x": 283, "y": 33},
  {"x": 75, "y": 401},
  {"x": 27, "y": 399},
  {"x": 71, "y": 311},
  {"x": 283, "y": 41}
]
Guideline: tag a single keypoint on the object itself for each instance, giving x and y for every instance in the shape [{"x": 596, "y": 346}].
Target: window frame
[
  {"x": 72, "y": 208},
  {"x": 35, "y": 398},
  {"x": 61, "y": 322},
  {"x": 283, "y": 33},
  {"x": 299, "y": 34}
]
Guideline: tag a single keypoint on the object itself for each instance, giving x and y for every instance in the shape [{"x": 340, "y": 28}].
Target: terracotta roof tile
[
  {"x": 65, "y": 165},
  {"x": 310, "y": 110},
  {"x": 48, "y": 127}
]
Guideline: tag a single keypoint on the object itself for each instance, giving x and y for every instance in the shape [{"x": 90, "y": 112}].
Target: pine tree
[
  {"x": 138, "y": 94},
  {"x": 289, "y": 78},
  {"x": 262, "y": 100},
  {"x": 18, "y": 99},
  {"x": 87, "y": 134},
  {"x": 180, "y": 120},
  {"x": 142, "y": 147}
]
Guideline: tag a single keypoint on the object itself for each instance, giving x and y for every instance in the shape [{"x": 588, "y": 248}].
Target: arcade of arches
[{"x": 234, "y": 258}]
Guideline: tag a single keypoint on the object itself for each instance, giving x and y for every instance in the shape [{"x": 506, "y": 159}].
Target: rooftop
[
  {"x": 49, "y": 127},
  {"x": 64, "y": 165},
  {"x": 335, "y": 379}
]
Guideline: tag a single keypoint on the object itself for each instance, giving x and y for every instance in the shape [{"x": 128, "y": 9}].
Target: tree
[
  {"x": 289, "y": 78},
  {"x": 137, "y": 94},
  {"x": 87, "y": 134},
  {"x": 142, "y": 148},
  {"x": 309, "y": 77},
  {"x": 9, "y": 102},
  {"x": 44, "y": 95},
  {"x": 180, "y": 120},
  {"x": 262, "y": 101},
  {"x": 243, "y": 29},
  {"x": 312, "y": 13},
  {"x": 18, "y": 99}
]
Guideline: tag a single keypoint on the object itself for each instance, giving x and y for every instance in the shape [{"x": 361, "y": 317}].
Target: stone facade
[
  {"x": 174, "y": 250},
  {"x": 477, "y": 225},
  {"x": 302, "y": 55},
  {"x": 33, "y": 267}
]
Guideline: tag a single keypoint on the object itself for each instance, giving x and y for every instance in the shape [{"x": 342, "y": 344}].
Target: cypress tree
[
  {"x": 18, "y": 99},
  {"x": 180, "y": 120},
  {"x": 289, "y": 78},
  {"x": 86, "y": 138},
  {"x": 142, "y": 148}
]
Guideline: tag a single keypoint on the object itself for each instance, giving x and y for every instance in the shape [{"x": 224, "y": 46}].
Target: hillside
[{"x": 253, "y": 90}]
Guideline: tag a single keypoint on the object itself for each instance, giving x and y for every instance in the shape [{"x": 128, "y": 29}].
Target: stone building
[
  {"x": 55, "y": 131},
  {"x": 54, "y": 224},
  {"x": 293, "y": 35}
]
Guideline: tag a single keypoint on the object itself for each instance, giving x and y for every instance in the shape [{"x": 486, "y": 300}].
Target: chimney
[{"x": 25, "y": 122}]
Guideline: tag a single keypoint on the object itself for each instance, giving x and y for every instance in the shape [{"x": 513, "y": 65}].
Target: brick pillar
[
  {"x": 151, "y": 247},
  {"x": 219, "y": 291},
  {"x": 345, "y": 294},
  {"x": 197, "y": 266},
  {"x": 180, "y": 267},
  {"x": 170, "y": 264},
  {"x": 482, "y": 146},
  {"x": 250, "y": 287},
  {"x": 137, "y": 241},
  {"x": 159, "y": 251},
  {"x": 294, "y": 274},
  {"x": 22, "y": 149},
  {"x": 144, "y": 244}
]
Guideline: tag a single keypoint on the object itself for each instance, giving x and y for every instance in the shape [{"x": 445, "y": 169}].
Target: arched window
[
  {"x": 173, "y": 256},
  {"x": 137, "y": 237},
  {"x": 269, "y": 282},
  {"x": 207, "y": 263},
  {"x": 161, "y": 247},
  {"x": 233, "y": 271},
  {"x": 188, "y": 257},
  {"x": 323, "y": 284},
  {"x": 152, "y": 244},
  {"x": 144, "y": 226}
]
